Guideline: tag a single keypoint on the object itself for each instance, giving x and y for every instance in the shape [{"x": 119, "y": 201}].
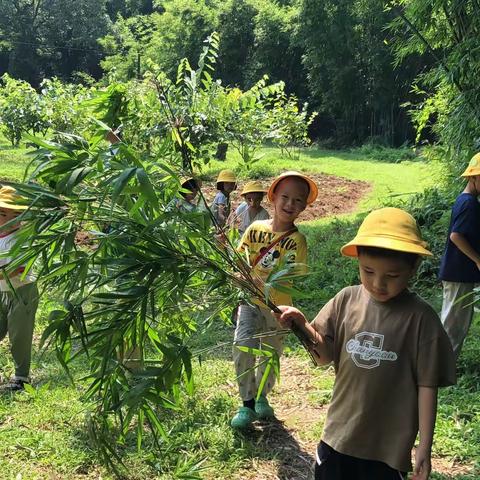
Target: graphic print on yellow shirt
[{"x": 291, "y": 249}]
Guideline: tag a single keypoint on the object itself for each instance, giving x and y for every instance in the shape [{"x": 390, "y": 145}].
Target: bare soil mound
[{"x": 336, "y": 195}]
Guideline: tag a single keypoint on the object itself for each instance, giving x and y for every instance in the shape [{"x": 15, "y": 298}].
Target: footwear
[
  {"x": 243, "y": 418},
  {"x": 263, "y": 408},
  {"x": 14, "y": 385}
]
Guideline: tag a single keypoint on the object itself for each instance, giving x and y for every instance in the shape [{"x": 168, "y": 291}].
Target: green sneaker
[
  {"x": 244, "y": 418},
  {"x": 263, "y": 408}
]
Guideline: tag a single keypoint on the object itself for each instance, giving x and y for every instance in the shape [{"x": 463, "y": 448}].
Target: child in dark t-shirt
[
  {"x": 390, "y": 355},
  {"x": 460, "y": 266}
]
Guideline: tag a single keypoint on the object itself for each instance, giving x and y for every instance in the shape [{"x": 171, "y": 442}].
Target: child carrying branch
[
  {"x": 267, "y": 243},
  {"x": 390, "y": 355}
]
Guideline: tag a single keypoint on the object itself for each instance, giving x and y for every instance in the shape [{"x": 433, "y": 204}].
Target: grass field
[{"x": 43, "y": 433}]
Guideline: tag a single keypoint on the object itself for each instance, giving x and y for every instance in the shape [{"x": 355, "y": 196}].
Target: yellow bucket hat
[
  {"x": 312, "y": 194},
  {"x": 253, "y": 187},
  {"x": 473, "y": 167},
  {"x": 390, "y": 228},
  {"x": 226, "y": 176},
  {"x": 10, "y": 199},
  {"x": 187, "y": 178}
]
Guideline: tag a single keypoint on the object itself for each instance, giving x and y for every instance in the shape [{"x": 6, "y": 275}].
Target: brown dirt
[
  {"x": 336, "y": 195},
  {"x": 289, "y": 443}
]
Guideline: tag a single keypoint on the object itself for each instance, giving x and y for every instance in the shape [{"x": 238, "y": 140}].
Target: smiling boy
[
  {"x": 266, "y": 243},
  {"x": 390, "y": 355},
  {"x": 251, "y": 210}
]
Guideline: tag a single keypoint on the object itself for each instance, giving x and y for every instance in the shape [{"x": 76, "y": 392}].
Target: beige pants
[
  {"x": 252, "y": 323},
  {"x": 457, "y": 314},
  {"x": 17, "y": 318}
]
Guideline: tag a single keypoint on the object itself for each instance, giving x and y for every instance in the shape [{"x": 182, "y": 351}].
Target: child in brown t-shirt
[{"x": 390, "y": 355}]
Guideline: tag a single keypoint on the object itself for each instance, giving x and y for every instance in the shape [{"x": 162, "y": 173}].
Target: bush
[{"x": 376, "y": 151}]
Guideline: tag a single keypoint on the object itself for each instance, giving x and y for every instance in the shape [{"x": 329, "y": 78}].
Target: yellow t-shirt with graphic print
[{"x": 292, "y": 249}]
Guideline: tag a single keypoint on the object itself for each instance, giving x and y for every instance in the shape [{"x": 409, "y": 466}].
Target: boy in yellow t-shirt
[{"x": 267, "y": 242}]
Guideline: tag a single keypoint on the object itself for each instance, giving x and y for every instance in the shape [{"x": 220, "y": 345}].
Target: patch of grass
[
  {"x": 13, "y": 161},
  {"x": 382, "y": 153},
  {"x": 389, "y": 180},
  {"x": 43, "y": 434}
]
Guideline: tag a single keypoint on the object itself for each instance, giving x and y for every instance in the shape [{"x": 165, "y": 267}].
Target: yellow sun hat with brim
[
  {"x": 389, "y": 228},
  {"x": 312, "y": 194},
  {"x": 226, "y": 176},
  {"x": 10, "y": 199},
  {"x": 253, "y": 187},
  {"x": 473, "y": 167},
  {"x": 187, "y": 178}
]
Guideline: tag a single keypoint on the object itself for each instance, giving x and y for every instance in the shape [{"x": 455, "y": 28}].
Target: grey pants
[
  {"x": 253, "y": 322},
  {"x": 17, "y": 318},
  {"x": 457, "y": 315}
]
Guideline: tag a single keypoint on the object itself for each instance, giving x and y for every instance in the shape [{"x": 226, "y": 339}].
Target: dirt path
[
  {"x": 290, "y": 442},
  {"x": 336, "y": 195}
]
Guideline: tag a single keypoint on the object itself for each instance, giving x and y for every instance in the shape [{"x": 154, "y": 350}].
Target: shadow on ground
[{"x": 276, "y": 454}]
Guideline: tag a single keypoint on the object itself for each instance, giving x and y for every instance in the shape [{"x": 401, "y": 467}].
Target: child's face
[
  {"x": 475, "y": 182},
  {"x": 290, "y": 198},
  {"x": 229, "y": 187},
  {"x": 190, "y": 196},
  {"x": 384, "y": 278},
  {"x": 6, "y": 215},
  {"x": 254, "y": 199}
]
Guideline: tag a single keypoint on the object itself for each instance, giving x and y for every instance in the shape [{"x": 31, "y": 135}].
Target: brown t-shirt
[{"x": 381, "y": 352}]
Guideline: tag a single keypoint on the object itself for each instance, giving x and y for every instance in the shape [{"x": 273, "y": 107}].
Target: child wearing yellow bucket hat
[
  {"x": 185, "y": 202},
  {"x": 251, "y": 210},
  {"x": 390, "y": 354},
  {"x": 460, "y": 265},
  {"x": 18, "y": 307},
  {"x": 266, "y": 243},
  {"x": 221, "y": 206}
]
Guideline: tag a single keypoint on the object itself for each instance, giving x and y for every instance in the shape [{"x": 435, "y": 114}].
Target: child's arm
[
  {"x": 317, "y": 346},
  {"x": 464, "y": 246},
  {"x": 427, "y": 412}
]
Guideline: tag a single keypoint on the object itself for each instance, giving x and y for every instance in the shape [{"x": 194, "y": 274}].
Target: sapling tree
[{"x": 132, "y": 274}]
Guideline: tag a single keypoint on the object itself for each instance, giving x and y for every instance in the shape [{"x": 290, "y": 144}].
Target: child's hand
[
  {"x": 290, "y": 315},
  {"x": 423, "y": 464},
  {"x": 221, "y": 238}
]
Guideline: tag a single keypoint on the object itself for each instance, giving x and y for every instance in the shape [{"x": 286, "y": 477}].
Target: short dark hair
[
  {"x": 221, "y": 185},
  {"x": 190, "y": 185},
  {"x": 409, "y": 258}
]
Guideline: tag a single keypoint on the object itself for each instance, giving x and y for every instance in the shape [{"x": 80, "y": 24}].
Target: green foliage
[
  {"x": 135, "y": 277},
  {"x": 379, "y": 152},
  {"x": 348, "y": 59},
  {"x": 290, "y": 124},
  {"x": 447, "y": 93},
  {"x": 51, "y": 38},
  {"x": 61, "y": 105},
  {"x": 20, "y": 109}
]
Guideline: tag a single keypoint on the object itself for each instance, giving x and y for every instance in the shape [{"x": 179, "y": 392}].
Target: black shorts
[{"x": 332, "y": 465}]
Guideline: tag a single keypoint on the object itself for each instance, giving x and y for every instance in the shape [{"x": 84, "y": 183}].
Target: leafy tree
[
  {"x": 145, "y": 275},
  {"x": 276, "y": 51},
  {"x": 124, "y": 47},
  {"x": 60, "y": 105},
  {"x": 20, "y": 109},
  {"x": 46, "y": 38},
  {"x": 447, "y": 94},
  {"x": 349, "y": 64},
  {"x": 235, "y": 27}
]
